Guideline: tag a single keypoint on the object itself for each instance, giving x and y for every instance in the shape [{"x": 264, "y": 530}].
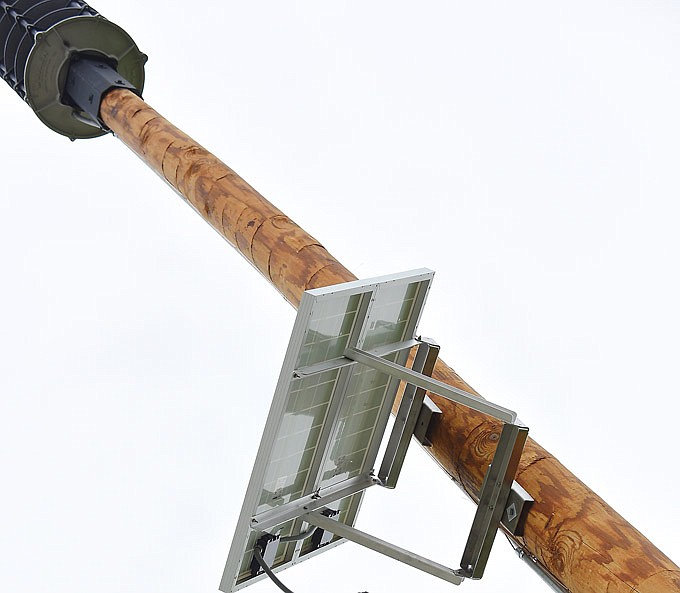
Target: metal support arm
[
  {"x": 378, "y": 545},
  {"x": 273, "y": 517},
  {"x": 452, "y": 393},
  {"x": 493, "y": 498},
  {"x": 407, "y": 416}
]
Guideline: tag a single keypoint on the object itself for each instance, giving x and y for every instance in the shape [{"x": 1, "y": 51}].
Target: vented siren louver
[{"x": 39, "y": 39}]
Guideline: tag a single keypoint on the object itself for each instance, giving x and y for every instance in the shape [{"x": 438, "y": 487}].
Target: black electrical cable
[
  {"x": 257, "y": 554},
  {"x": 270, "y": 573},
  {"x": 299, "y": 537}
]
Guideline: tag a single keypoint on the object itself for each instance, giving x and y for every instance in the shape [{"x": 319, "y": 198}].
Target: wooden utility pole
[
  {"x": 65, "y": 62},
  {"x": 574, "y": 534}
]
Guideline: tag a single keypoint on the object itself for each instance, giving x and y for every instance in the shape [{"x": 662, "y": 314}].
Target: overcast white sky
[{"x": 526, "y": 151}]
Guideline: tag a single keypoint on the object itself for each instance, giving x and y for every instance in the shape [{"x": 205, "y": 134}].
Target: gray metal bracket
[
  {"x": 496, "y": 489},
  {"x": 383, "y": 547},
  {"x": 273, "y": 517},
  {"x": 501, "y": 500},
  {"x": 407, "y": 415},
  {"x": 419, "y": 380},
  {"x": 429, "y": 413},
  {"x": 516, "y": 510},
  {"x": 492, "y": 500}
]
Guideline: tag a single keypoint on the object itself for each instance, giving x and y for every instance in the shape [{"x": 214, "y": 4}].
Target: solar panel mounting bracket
[
  {"x": 407, "y": 415},
  {"x": 385, "y": 548},
  {"x": 428, "y": 384},
  {"x": 499, "y": 479},
  {"x": 347, "y": 356},
  {"x": 427, "y": 418},
  {"x": 317, "y": 500}
]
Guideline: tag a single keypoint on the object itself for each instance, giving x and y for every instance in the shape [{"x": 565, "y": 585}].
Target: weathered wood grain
[{"x": 582, "y": 541}]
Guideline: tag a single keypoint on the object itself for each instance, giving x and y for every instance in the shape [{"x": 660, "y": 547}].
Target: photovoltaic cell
[{"x": 329, "y": 415}]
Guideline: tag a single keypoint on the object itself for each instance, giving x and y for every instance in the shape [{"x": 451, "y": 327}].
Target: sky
[{"x": 527, "y": 152}]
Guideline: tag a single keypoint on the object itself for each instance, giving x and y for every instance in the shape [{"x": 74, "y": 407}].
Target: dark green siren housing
[{"x": 39, "y": 42}]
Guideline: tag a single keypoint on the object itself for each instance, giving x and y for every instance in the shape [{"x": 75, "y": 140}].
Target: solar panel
[{"x": 327, "y": 418}]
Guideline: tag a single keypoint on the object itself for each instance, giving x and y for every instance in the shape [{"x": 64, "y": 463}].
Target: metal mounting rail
[
  {"x": 383, "y": 547},
  {"x": 269, "y": 519},
  {"x": 407, "y": 416},
  {"x": 419, "y": 380},
  {"x": 492, "y": 500}
]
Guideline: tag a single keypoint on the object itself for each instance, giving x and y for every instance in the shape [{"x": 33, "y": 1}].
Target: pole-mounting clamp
[{"x": 87, "y": 82}]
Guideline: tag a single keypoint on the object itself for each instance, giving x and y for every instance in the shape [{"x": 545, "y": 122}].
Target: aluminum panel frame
[{"x": 230, "y": 578}]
